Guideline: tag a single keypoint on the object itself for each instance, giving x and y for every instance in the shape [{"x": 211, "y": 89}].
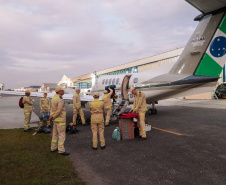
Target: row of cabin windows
[{"x": 110, "y": 81}]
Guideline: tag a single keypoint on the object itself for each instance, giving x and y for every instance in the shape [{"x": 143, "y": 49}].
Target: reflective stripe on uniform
[
  {"x": 95, "y": 141},
  {"x": 60, "y": 143},
  {"x": 145, "y": 109},
  {"x": 102, "y": 140},
  {"x": 96, "y": 121},
  {"x": 26, "y": 113},
  {"x": 54, "y": 141},
  {"x": 107, "y": 106},
  {"x": 62, "y": 124},
  {"x": 104, "y": 97},
  {"x": 143, "y": 129},
  {"x": 54, "y": 98},
  {"x": 58, "y": 119},
  {"x": 142, "y": 114},
  {"x": 96, "y": 104}
]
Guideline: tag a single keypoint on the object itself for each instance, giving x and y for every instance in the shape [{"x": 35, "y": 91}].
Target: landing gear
[{"x": 152, "y": 110}]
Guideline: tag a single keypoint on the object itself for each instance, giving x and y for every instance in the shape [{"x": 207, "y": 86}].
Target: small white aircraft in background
[{"x": 196, "y": 71}]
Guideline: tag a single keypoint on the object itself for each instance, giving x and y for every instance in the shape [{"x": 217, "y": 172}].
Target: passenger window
[
  {"x": 135, "y": 80},
  {"x": 110, "y": 82},
  {"x": 103, "y": 81},
  {"x": 106, "y": 82},
  {"x": 117, "y": 81},
  {"x": 113, "y": 81}
]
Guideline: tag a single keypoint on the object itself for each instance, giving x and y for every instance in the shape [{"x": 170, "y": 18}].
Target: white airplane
[{"x": 196, "y": 71}]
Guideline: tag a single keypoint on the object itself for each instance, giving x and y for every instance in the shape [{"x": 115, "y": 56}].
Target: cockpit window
[
  {"x": 117, "y": 81},
  {"x": 103, "y": 81},
  {"x": 135, "y": 80},
  {"x": 106, "y": 82}
]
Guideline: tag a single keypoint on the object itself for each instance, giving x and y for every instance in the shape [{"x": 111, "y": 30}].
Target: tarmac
[
  {"x": 11, "y": 115},
  {"x": 185, "y": 146}
]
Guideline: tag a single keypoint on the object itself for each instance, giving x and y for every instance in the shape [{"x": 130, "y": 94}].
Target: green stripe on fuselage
[
  {"x": 222, "y": 26},
  {"x": 208, "y": 67}
]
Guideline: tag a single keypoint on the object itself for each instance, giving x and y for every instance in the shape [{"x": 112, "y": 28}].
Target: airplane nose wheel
[{"x": 152, "y": 111}]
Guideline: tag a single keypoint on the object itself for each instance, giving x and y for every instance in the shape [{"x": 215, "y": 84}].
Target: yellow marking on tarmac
[{"x": 168, "y": 131}]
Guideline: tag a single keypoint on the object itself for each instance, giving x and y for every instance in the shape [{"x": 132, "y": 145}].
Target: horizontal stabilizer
[{"x": 206, "y": 6}]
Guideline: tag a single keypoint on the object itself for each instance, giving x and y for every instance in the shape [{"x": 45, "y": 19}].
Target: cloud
[{"x": 51, "y": 38}]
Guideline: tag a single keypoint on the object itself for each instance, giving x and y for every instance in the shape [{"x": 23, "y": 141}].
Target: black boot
[{"x": 65, "y": 153}]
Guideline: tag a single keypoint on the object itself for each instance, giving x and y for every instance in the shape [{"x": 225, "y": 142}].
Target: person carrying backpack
[
  {"x": 28, "y": 108},
  {"x": 107, "y": 105}
]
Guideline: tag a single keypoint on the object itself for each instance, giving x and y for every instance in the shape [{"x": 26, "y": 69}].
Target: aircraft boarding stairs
[{"x": 119, "y": 108}]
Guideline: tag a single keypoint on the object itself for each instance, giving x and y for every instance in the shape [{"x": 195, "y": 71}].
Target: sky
[{"x": 41, "y": 40}]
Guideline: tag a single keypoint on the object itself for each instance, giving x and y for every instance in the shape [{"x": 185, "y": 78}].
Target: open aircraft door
[{"x": 125, "y": 87}]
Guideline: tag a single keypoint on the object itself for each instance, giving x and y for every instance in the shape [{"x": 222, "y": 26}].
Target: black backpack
[
  {"x": 71, "y": 129},
  {"x": 21, "y": 104}
]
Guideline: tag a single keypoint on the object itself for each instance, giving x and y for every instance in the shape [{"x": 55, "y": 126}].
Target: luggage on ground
[
  {"x": 71, "y": 129},
  {"x": 116, "y": 135},
  {"x": 43, "y": 129}
]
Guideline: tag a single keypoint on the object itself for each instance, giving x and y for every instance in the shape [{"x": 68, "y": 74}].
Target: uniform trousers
[
  {"x": 59, "y": 136},
  {"x": 27, "y": 118},
  {"x": 98, "y": 127},
  {"x": 107, "y": 115},
  {"x": 141, "y": 123},
  {"x": 75, "y": 112}
]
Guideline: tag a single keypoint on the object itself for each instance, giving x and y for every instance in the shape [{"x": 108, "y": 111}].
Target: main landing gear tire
[{"x": 152, "y": 111}]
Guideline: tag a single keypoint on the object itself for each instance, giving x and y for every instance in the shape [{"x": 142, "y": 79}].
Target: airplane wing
[
  {"x": 207, "y": 6},
  {"x": 83, "y": 98}
]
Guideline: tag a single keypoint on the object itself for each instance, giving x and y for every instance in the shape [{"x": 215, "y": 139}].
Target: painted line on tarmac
[{"x": 167, "y": 131}]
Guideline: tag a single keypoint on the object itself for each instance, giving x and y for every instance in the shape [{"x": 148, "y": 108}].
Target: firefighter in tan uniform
[
  {"x": 139, "y": 107},
  {"x": 77, "y": 107},
  {"x": 58, "y": 115},
  {"x": 45, "y": 108},
  {"x": 107, "y": 105},
  {"x": 28, "y": 108},
  {"x": 97, "y": 121}
]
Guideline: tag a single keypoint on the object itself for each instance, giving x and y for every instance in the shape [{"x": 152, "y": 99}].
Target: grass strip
[{"x": 26, "y": 159}]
